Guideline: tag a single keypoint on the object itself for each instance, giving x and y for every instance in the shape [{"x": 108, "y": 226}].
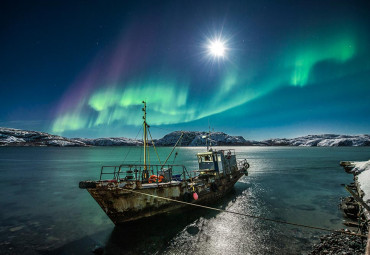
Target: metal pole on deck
[
  {"x": 145, "y": 134},
  {"x": 145, "y": 125}
]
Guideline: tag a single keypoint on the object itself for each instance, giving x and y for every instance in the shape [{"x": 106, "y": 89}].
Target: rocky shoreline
[
  {"x": 18, "y": 137},
  {"x": 355, "y": 209},
  {"x": 336, "y": 243}
]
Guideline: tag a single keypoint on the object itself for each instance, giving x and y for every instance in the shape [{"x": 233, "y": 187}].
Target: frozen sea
[{"x": 42, "y": 210}]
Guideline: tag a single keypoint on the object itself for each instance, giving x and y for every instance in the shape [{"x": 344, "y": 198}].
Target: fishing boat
[{"x": 131, "y": 191}]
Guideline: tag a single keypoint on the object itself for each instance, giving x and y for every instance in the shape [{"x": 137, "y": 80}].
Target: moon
[{"x": 217, "y": 48}]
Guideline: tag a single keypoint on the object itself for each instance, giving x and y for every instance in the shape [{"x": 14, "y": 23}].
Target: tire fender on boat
[
  {"x": 87, "y": 185},
  {"x": 188, "y": 197},
  {"x": 245, "y": 168}
]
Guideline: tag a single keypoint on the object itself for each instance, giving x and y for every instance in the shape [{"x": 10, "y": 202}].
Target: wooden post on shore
[
  {"x": 349, "y": 166},
  {"x": 367, "y": 251},
  {"x": 358, "y": 199},
  {"x": 367, "y": 208}
]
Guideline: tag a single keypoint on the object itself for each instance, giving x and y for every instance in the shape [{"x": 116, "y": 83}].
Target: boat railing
[
  {"x": 144, "y": 174},
  {"x": 240, "y": 161}
]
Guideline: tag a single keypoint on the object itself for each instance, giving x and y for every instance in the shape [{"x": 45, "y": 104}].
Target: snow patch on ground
[{"x": 362, "y": 169}]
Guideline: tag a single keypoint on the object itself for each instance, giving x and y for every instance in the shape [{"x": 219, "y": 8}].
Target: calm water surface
[{"x": 44, "y": 212}]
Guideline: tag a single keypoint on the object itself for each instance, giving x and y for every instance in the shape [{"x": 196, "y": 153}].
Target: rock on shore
[{"x": 336, "y": 243}]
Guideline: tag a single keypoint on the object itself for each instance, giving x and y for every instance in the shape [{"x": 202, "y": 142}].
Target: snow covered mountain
[
  {"x": 195, "y": 138},
  {"x": 17, "y": 137},
  {"x": 110, "y": 141},
  {"x": 325, "y": 140}
]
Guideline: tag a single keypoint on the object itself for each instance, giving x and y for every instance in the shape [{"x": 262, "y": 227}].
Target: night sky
[{"x": 82, "y": 68}]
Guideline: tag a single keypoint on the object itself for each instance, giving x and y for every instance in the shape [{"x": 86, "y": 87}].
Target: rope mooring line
[{"x": 248, "y": 215}]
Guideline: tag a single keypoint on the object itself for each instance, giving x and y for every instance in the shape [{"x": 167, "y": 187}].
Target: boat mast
[
  {"x": 145, "y": 134},
  {"x": 208, "y": 136}
]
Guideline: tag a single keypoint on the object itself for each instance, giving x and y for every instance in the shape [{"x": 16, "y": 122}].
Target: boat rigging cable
[
  {"x": 176, "y": 153},
  {"x": 248, "y": 215},
  {"x": 182, "y": 133},
  {"x": 155, "y": 149}
]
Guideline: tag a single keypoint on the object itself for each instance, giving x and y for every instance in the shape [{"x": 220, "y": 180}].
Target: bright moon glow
[{"x": 217, "y": 48}]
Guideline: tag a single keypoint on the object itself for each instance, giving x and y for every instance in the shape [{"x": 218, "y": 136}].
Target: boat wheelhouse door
[
  {"x": 229, "y": 161},
  {"x": 219, "y": 162}
]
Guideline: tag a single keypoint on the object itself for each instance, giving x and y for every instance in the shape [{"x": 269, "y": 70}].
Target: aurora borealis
[{"x": 290, "y": 68}]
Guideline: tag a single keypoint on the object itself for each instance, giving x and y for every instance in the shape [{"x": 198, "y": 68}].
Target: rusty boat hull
[{"x": 122, "y": 205}]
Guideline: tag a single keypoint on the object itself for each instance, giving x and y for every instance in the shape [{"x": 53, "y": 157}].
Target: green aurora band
[
  {"x": 310, "y": 53},
  {"x": 171, "y": 102}
]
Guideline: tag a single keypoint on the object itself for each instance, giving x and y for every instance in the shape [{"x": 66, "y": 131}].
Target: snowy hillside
[
  {"x": 325, "y": 140},
  {"x": 17, "y": 137}
]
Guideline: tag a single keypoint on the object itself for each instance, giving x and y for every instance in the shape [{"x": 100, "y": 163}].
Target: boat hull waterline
[{"x": 121, "y": 205}]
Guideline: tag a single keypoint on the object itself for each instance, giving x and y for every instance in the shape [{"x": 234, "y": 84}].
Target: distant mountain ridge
[
  {"x": 195, "y": 138},
  {"x": 18, "y": 137}
]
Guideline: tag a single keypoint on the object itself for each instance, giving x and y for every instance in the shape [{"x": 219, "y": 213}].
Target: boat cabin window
[{"x": 205, "y": 158}]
